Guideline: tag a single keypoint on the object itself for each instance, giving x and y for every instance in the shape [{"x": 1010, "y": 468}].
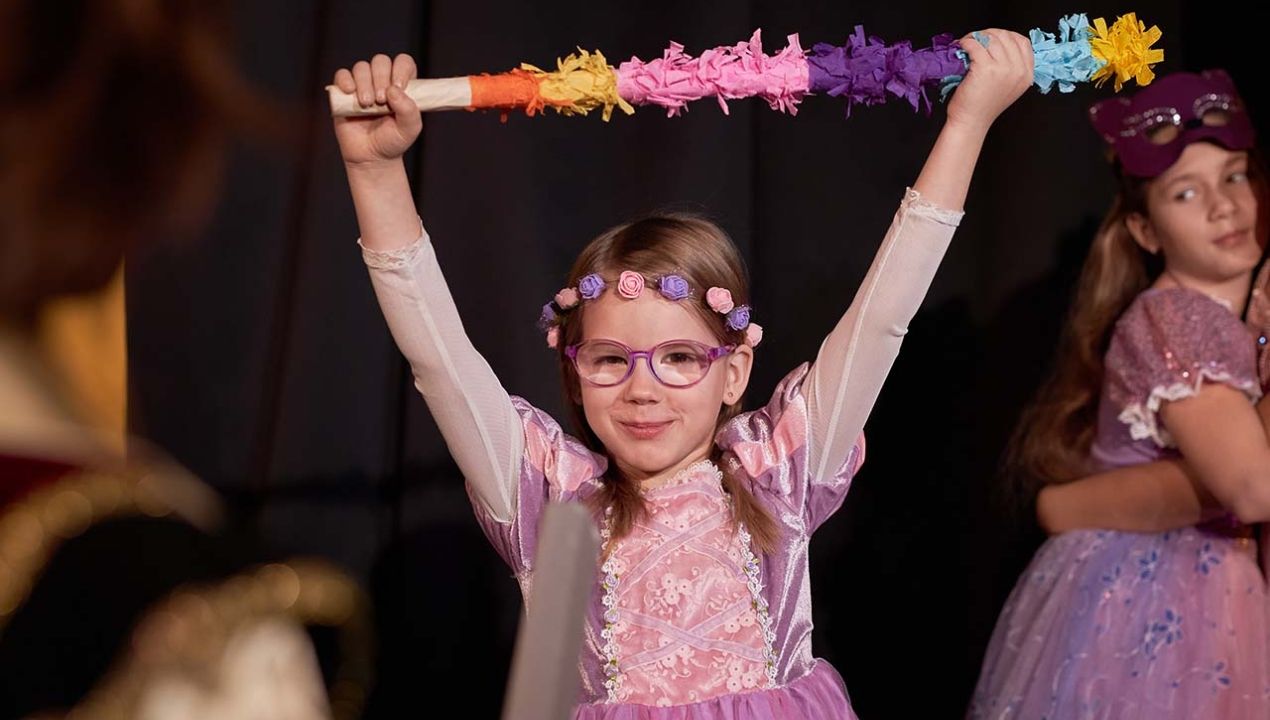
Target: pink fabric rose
[
  {"x": 630, "y": 284},
  {"x": 753, "y": 334},
  {"x": 719, "y": 299},
  {"x": 567, "y": 298},
  {"x": 553, "y": 337}
]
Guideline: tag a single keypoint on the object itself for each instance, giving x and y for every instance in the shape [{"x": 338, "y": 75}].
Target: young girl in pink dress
[{"x": 702, "y": 608}]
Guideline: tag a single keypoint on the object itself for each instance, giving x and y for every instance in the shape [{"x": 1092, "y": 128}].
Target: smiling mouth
[
  {"x": 645, "y": 430},
  {"x": 1231, "y": 238}
]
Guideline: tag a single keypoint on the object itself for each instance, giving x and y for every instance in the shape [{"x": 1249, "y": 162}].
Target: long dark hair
[{"x": 1052, "y": 440}]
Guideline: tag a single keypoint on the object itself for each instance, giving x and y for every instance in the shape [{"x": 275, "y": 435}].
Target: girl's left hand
[{"x": 999, "y": 73}]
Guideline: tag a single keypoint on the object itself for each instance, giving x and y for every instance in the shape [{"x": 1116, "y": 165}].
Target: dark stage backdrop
[{"x": 259, "y": 359}]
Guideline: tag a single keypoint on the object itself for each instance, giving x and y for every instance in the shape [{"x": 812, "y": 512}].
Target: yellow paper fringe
[
  {"x": 581, "y": 83},
  {"x": 1126, "y": 50}
]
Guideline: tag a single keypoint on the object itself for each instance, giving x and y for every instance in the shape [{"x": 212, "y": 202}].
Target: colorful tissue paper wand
[{"x": 863, "y": 71}]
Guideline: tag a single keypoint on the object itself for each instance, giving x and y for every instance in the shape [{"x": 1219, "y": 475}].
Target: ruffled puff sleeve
[
  {"x": 1165, "y": 347},
  {"x": 769, "y": 447},
  {"x": 555, "y": 467}
]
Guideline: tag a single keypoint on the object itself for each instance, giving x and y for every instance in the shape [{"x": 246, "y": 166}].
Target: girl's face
[
  {"x": 652, "y": 430},
  {"x": 1202, "y": 214}
]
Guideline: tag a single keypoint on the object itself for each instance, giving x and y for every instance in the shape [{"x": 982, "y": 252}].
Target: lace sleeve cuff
[{"x": 914, "y": 203}]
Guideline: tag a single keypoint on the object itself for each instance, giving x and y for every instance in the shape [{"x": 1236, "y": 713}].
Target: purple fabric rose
[
  {"x": 673, "y": 287},
  {"x": 591, "y": 286},
  {"x": 739, "y": 317},
  {"x": 547, "y": 317}
]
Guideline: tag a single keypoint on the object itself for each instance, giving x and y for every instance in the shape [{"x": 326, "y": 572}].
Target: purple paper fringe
[{"x": 866, "y": 70}]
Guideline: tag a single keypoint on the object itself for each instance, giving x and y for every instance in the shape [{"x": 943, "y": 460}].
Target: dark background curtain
[{"x": 259, "y": 359}]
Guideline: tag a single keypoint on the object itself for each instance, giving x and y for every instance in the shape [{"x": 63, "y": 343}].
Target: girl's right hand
[
  {"x": 367, "y": 141},
  {"x": 1258, "y": 321}
]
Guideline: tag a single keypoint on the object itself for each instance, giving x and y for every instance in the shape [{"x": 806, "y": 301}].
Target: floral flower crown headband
[{"x": 630, "y": 285}]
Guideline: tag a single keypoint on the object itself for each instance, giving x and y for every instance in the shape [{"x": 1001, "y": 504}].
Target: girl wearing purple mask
[{"x": 1147, "y": 604}]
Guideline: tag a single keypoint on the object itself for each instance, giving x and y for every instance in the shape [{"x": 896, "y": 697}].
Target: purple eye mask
[{"x": 1148, "y": 131}]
